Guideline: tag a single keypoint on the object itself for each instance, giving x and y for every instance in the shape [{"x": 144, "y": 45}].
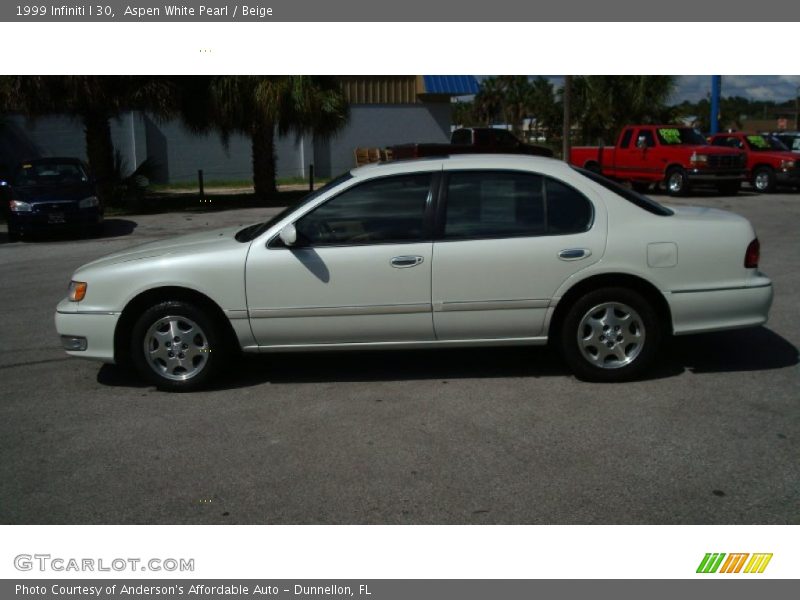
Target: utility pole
[
  {"x": 716, "y": 86},
  {"x": 567, "y": 125},
  {"x": 797, "y": 109}
]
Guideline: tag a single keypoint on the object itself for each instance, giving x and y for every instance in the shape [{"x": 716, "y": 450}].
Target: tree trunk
[
  {"x": 263, "y": 141},
  {"x": 100, "y": 151}
]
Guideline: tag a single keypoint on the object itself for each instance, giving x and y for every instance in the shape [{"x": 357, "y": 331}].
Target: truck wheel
[
  {"x": 593, "y": 167},
  {"x": 764, "y": 180},
  {"x": 677, "y": 182},
  {"x": 729, "y": 188},
  {"x": 611, "y": 334},
  {"x": 640, "y": 186}
]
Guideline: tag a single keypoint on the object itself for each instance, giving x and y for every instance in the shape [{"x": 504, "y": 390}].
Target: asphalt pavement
[{"x": 446, "y": 436}]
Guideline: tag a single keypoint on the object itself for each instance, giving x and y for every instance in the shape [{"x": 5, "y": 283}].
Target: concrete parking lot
[{"x": 456, "y": 436}]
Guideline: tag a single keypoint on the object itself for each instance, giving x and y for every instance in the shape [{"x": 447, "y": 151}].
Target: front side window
[
  {"x": 390, "y": 209},
  {"x": 730, "y": 142},
  {"x": 492, "y": 204},
  {"x": 646, "y": 137}
]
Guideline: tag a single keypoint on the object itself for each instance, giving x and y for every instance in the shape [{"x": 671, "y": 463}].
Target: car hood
[
  {"x": 709, "y": 149},
  {"x": 177, "y": 246},
  {"x": 49, "y": 193},
  {"x": 776, "y": 154}
]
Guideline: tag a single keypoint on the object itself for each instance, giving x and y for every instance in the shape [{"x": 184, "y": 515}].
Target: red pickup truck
[
  {"x": 679, "y": 156},
  {"x": 769, "y": 162}
]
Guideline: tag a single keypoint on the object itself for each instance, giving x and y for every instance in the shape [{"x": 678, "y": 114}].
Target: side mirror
[
  {"x": 641, "y": 142},
  {"x": 288, "y": 235}
]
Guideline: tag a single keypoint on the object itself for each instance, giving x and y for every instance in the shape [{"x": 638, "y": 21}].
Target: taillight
[{"x": 752, "y": 255}]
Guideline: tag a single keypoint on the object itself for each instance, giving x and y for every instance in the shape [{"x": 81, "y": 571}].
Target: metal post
[
  {"x": 311, "y": 177},
  {"x": 716, "y": 86},
  {"x": 797, "y": 109},
  {"x": 565, "y": 143},
  {"x": 200, "y": 183}
]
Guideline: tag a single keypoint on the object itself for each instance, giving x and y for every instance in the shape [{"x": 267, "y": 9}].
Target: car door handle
[
  {"x": 403, "y": 262},
  {"x": 574, "y": 253}
]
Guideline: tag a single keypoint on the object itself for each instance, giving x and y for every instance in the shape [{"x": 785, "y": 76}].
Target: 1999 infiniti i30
[{"x": 486, "y": 250}]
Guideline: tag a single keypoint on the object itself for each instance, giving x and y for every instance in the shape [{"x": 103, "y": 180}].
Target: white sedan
[{"x": 446, "y": 252}]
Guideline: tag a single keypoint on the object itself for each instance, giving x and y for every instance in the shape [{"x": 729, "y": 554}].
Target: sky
[{"x": 754, "y": 87}]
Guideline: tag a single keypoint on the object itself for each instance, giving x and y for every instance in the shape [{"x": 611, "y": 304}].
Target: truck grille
[{"x": 726, "y": 160}]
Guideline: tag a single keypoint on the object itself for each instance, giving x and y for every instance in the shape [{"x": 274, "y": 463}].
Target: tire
[
  {"x": 729, "y": 188},
  {"x": 763, "y": 180},
  {"x": 640, "y": 186},
  {"x": 677, "y": 182},
  {"x": 593, "y": 167},
  {"x": 192, "y": 336},
  {"x": 583, "y": 336}
]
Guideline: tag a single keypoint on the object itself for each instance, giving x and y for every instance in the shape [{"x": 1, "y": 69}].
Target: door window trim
[
  {"x": 275, "y": 242},
  {"x": 441, "y": 207}
]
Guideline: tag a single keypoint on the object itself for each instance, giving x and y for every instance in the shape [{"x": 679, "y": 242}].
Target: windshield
[
  {"x": 676, "y": 136},
  {"x": 248, "y": 234},
  {"x": 636, "y": 198},
  {"x": 50, "y": 172}
]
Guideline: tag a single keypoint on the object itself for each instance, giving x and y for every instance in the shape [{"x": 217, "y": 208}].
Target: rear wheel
[
  {"x": 677, "y": 182},
  {"x": 611, "y": 334},
  {"x": 172, "y": 344},
  {"x": 593, "y": 167},
  {"x": 764, "y": 180}
]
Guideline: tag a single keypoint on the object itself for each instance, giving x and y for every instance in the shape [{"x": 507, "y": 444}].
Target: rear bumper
[
  {"x": 698, "y": 311},
  {"x": 97, "y": 328}
]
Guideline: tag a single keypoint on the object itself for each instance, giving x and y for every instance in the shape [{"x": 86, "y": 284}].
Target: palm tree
[
  {"x": 93, "y": 99},
  {"x": 603, "y": 104},
  {"x": 261, "y": 107},
  {"x": 489, "y": 101}
]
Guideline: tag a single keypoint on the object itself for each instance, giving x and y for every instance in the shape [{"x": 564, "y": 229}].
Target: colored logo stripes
[{"x": 713, "y": 562}]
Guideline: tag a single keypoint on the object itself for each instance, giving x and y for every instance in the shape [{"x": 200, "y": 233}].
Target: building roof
[{"x": 455, "y": 85}]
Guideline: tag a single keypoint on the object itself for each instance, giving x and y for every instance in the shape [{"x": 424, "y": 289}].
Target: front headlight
[
  {"x": 89, "y": 202},
  {"x": 19, "y": 206},
  {"x": 698, "y": 159},
  {"x": 788, "y": 164},
  {"x": 77, "y": 291}
]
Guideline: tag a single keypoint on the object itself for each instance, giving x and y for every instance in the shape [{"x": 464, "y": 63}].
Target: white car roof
[{"x": 521, "y": 162}]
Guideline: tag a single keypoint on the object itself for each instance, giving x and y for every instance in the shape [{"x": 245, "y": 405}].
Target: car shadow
[
  {"x": 112, "y": 228},
  {"x": 755, "y": 349}
]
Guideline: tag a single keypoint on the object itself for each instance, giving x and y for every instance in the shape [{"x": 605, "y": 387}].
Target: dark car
[{"x": 51, "y": 194}]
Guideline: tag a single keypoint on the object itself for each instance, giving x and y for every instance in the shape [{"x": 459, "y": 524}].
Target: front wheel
[
  {"x": 177, "y": 346},
  {"x": 610, "y": 335},
  {"x": 677, "y": 182},
  {"x": 764, "y": 180}
]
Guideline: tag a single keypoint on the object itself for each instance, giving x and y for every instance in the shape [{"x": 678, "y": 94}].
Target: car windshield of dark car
[
  {"x": 675, "y": 136},
  {"x": 248, "y": 234},
  {"x": 50, "y": 173}
]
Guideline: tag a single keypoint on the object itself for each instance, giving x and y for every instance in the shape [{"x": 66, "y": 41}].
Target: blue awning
[{"x": 454, "y": 85}]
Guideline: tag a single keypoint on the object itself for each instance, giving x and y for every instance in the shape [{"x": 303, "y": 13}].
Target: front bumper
[
  {"x": 698, "y": 311},
  {"x": 97, "y": 328},
  {"x": 40, "y": 221},
  {"x": 788, "y": 177},
  {"x": 715, "y": 175}
]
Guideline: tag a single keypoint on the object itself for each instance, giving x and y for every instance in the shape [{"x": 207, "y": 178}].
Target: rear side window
[
  {"x": 626, "y": 138},
  {"x": 492, "y": 204}
]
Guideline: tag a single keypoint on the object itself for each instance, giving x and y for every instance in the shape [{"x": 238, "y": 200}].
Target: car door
[
  {"x": 641, "y": 160},
  {"x": 506, "y": 241},
  {"x": 360, "y": 271}
]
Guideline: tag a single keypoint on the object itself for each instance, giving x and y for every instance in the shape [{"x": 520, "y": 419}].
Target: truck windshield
[
  {"x": 636, "y": 198},
  {"x": 676, "y": 136}
]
